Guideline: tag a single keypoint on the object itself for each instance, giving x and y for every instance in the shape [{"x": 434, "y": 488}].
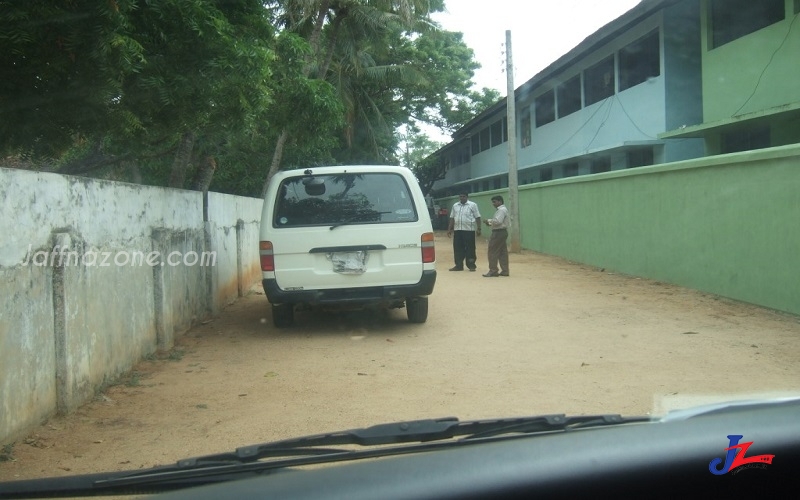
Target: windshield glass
[{"x": 233, "y": 222}]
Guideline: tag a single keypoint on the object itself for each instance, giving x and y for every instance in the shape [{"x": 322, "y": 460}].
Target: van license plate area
[{"x": 349, "y": 262}]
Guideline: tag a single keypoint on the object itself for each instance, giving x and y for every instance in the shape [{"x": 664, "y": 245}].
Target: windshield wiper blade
[
  {"x": 416, "y": 431},
  {"x": 482, "y": 429},
  {"x": 382, "y": 434},
  {"x": 407, "y": 437}
]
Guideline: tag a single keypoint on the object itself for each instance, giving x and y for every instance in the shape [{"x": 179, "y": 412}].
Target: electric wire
[
  {"x": 769, "y": 63},
  {"x": 568, "y": 139}
]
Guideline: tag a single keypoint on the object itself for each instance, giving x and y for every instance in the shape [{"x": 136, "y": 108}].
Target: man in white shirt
[
  {"x": 498, "y": 252},
  {"x": 465, "y": 224}
]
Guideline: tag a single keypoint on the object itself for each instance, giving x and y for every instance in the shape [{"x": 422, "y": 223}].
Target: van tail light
[
  {"x": 267, "y": 256},
  {"x": 428, "y": 250}
]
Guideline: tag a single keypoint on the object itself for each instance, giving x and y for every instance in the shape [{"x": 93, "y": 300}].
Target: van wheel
[
  {"x": 282, "y": 315},
  {"x": 417, "y": 309}
]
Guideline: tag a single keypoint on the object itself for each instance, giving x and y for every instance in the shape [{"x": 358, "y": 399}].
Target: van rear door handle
[{"x": 350, "y": 248}]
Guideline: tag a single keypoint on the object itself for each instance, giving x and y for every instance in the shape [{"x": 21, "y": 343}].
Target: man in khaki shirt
[{"x": 498, "y": 251}]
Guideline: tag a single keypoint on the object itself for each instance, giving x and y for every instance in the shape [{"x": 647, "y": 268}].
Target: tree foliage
[
  {"x": 427, "y": 161},
  {"x": 467, "y": 106},
  {"x": 196, "y": 92},
  {"x": 98, "y": 83},
  {"x": 61, "y": 64},
  {"x": 420, "y": 156}
]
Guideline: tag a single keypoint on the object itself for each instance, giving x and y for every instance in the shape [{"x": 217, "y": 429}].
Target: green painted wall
[
  {"x": 755, "y": 72},
  {"x": 727, "y": 225}
]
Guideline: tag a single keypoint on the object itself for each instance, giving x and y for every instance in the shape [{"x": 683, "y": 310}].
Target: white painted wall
[{"x": 68, "y": 327}]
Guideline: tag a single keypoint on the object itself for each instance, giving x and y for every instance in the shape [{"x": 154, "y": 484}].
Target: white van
[{"x": 349, "y": 236}]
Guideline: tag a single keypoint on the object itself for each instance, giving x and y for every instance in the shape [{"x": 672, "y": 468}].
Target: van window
[{"x": 364, "y": 198}]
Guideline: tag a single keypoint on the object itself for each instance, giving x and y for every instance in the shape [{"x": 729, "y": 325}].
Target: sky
[{"x": 541, "y": 32}]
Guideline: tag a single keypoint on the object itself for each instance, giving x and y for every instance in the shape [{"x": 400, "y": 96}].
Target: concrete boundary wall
[
  {"x": 726, "y": 224},
  {"x": 233, "y": 225},
  {"x": 97, "y": 275}
]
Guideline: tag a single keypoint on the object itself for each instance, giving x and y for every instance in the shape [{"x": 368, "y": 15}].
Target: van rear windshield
[{"x": 363, "y": 198}]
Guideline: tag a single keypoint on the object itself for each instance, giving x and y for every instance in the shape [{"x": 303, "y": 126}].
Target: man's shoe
[
  {"x": 490, "y": 274},
  {"x": 504, "y": 274},
  {"x": 473, "y": 269},
  {"x": 456, "y": 268}
]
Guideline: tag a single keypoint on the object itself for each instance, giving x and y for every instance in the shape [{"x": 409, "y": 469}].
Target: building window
[
  {"x": 546, "y": 174},
  {"x": 746, "y": 140},
  {"x": 600, "y": 165},
  {"x": 485, "y": 139},
  {"x": 569, "y": 96},
  {"x": 639, "y": 61},
  {"x": 476, "y": 144},
  {"x": 640, "y": 157},
  {"x": 545, "y": 106},
  {"x": 598, "y": 81},
  {"x": 525, "y": 129},
  {"x": 732, "y": 19},
  {"x": 461, "y": 156},
  {"x": 498, "y": 183},
  {"x": 464, "y": 156},
  {"x": 570, "y": 170},
  {"x": 497, "y": 133}
]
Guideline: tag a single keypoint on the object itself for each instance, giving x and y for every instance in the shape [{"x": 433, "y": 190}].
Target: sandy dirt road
[{"x": 555, "y": 337}]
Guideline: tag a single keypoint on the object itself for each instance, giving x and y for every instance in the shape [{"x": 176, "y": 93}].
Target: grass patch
[
  {"x": 7, "y": 453},
  {"x": 134, "y": 380},
  {"x": 176, "y": 355}
]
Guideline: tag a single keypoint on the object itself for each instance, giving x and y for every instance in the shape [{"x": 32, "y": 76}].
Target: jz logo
[{"x": 736, "y": 457}]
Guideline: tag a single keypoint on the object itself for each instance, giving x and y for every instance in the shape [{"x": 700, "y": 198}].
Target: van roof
[{"x": 342, "y": 169}]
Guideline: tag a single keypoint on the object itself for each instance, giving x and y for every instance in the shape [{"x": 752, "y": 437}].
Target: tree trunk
[
  {"x": 181, "y": 163},
  {"x": 134, "y": 172},
  {"x": 277, "y": 155},
  {"x": 313, "y": 40},
  {"x": 276, "y": 159},
  {"x": 204, "y": 173},
  {"x": 323, "y": 70}
]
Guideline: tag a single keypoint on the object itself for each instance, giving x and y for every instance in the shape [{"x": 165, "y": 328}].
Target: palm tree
[{"x": 341, "y": 34}]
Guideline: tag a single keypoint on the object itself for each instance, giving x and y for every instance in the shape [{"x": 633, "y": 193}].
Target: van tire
[
  {"x": 417, "y": 309},
  {"x": 282, "y": 315}
]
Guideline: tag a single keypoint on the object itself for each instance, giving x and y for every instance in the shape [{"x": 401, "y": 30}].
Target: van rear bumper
[{"x": 362, "y": 295}]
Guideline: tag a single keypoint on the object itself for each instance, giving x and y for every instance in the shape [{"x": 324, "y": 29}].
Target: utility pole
[
  {"x": 408, "y": 153},
  {"x": 511, "y": 119}
]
